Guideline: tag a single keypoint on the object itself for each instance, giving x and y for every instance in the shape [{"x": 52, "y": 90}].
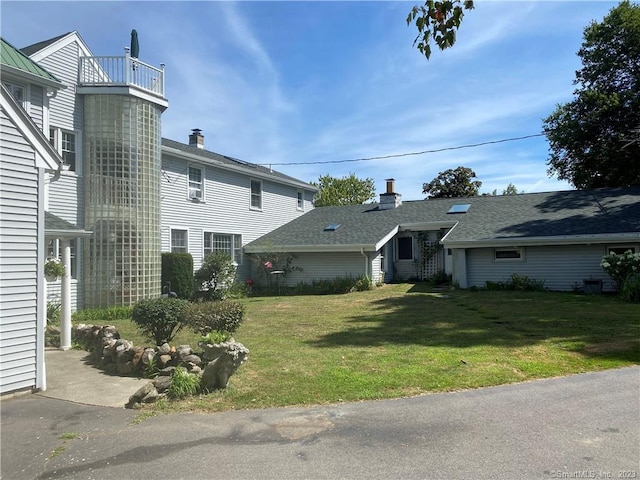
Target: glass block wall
[{"x": 122, "y": 165}]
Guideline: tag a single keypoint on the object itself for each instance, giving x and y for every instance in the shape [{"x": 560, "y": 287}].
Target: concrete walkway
[{"x": 71, "y": 377}]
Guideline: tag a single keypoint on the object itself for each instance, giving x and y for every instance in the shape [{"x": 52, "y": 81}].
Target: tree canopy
[
  {"x": 453, "y": 183},
  {"x": 437, "y": 21},
  {"x": 593, "y": 139},
  {"x": 348, "y": 190}
]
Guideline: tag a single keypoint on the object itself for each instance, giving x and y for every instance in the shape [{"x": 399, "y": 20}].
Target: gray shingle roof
[
  {"x": 489, "y": 218},
  {"x": 56, "y": 226},
  {"x": 36, "y": 47},
  {"x": 250, "y": 168}
]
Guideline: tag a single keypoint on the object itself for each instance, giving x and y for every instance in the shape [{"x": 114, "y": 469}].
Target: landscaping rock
[{"x": 217, "y": 372}]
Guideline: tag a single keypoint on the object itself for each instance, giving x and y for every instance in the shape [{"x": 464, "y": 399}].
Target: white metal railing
[{"x": 105, "y": 71}]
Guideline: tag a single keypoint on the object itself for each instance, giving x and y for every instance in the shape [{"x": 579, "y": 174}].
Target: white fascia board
[
  {"x": 162, "y": 102},
  {"x": 252, "y": 173},
  {"x": 45, "y": 155},
  {"x": 542, "y": 241},
  {"x": 383, "y": 241},
  {"x": 311, "y": 248},
  {"x": 61, "y": 43},
  {"x": 67, "y": 233},
  {"x": 426, "y": 226},
  {"x": 29, "y": 77}
]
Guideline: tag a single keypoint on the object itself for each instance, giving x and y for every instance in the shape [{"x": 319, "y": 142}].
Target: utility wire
[{"x": 367, "y": 159}]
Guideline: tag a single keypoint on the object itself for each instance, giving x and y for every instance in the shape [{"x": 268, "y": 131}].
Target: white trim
[
  {"x": 300, "y": 196},
  {"x": 182, "y": 229},
  {"x": 9, "y": 71},
  {"x": 203, "y": 172},
  {"x": 61, "y": 43},
  {"x": 128, "y": 90},
  {"x": 45, "y": 154},
  {"x": 384, "y": 240},
  {"x": 519, "y": 259}
]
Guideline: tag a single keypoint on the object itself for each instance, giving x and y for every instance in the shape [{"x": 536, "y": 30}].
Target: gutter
[{"x": 542, "y": 241}]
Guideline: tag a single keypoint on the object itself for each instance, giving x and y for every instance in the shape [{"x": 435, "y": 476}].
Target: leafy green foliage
[
  {"x": 216, "y": 337},
  {"x": 216, "y": 275},
  {"x": 177, "y": 270},
  {"x": 594, "y": 140},
  {"x": 517, "y": 282},
  {"x": 511, "y": 190},
  {"x": 101, "y": 315},
  {"x": 630, "y": 290},
  {"x": 159, "y": 319},
  {"x": 335, "y": 286},
  {"x": 349, "y": 190},
  {"x": 621, "y": 267},
  {"x": 206, "y": 317},
  {"x": 183, "y": 384},
  {"x": 453, "y": 183},
  {"x": 53, "y": 313},
  {"x": 53, "y": 268},
  {"x": 437, "y": 21}
]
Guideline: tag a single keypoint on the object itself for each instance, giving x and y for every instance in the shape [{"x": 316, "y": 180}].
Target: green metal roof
[{"x": 12, "y": 57}]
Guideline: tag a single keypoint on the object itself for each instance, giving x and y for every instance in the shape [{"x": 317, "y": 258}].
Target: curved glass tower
[{"x": 121, "y": 169}]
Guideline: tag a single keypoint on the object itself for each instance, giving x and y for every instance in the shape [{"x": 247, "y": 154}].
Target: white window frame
[
  {"x": 621, "y": 249},
  {"x": 12, "y": 87},
  {"x": 195, "y": 189},
  {"x": 253, "y": 195},
  {"x": 56, "y": 139},
  {"x": 300, "y": 200},
  {"x": 520, "y": 251},
  {"x": 235, "y": 241},
  {"x": 186, "y": 239}
]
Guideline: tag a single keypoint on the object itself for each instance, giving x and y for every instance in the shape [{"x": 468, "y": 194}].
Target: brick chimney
[
  {"x": 390, "y": 199},
  {"x": 196, "y": 139}
]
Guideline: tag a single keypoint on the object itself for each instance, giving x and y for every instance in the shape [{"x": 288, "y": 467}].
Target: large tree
[
  {"x": 453, "y": 183},
  {"x": 593, "y": 139},
  {"x": 437, "y": 21},
  {"x": 348, "y": 190}
]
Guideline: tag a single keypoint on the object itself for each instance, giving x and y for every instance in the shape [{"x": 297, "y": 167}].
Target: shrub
[
  {"x": 159, "y": 319},
  {"x": 53, "y": 313},
  {"x": 177, "y": 271},
  {"x": 630, "y": 290},
  {"x": 206, "y": 317},
  {"x": 621, "y": 267},
  {"x": 102, "y": 315},
  {"x": 517, "y": 282},
  {"x": 216, "y": 275},
  {"x": 335, "y": 286},
  {"x": 183, "y": 384},
  {"x": 216, "y": 337}
]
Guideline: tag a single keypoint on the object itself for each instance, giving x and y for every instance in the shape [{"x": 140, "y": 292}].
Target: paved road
[{"x": 583, "y": 426}]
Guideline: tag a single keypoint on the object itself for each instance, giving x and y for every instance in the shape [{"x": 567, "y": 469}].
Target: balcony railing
[{"x": 121, "y": 71}]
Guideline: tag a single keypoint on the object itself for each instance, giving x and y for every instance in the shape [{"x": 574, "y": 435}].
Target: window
[
  {"x": 17, "y": 91},
  {"x": 179, "y": 241},
  {"x": 256, "y": 194},
  {"x": 223, "y": 242},
  {"x": 620, "y": 249},
  {"x": 459, "y": 208},
  {"x": 300, "y": 200},
  {"x": 195, "y": 183},
  {"x": 54, "y": 251},
  {"x": 508, "y": 254},
  {"x": 405, "y": 248},
  {"x": 65, "y": 143}
]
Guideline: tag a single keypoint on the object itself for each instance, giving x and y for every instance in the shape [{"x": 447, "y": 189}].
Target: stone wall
[{"x": 214, "y": 364}]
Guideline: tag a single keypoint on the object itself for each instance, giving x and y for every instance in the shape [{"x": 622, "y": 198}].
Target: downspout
[{"x": 366, "y": 263}]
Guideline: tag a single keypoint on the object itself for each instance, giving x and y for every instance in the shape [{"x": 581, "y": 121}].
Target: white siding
[
  {"x": 36, "y": 106},
  {"x": 561, "y": 267},
  {"x": 225, "y": 207},
  {"x": 323, "y": 266},
  {"x": 18, "y": 260},
  {"x": 65, "y": 107}
]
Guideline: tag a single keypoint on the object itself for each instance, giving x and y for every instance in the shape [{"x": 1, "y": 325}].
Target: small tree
[
  {"x": 159, "y": 319},
  {"x": 216, "y": 275}
]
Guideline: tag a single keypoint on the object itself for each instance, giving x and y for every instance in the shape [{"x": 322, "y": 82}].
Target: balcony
[{"x": 121, "y": 72}]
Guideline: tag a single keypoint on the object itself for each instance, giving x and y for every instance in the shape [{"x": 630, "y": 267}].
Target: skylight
[
  {"x": 459, "y": 208},
  {"x": 332, "y": 227}
]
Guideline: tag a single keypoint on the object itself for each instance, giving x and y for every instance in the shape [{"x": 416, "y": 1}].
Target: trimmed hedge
[
  {"x": 177, "y": 268},
  {"x": 159, "y": 319},
  {"x": 206, "y": 317}
]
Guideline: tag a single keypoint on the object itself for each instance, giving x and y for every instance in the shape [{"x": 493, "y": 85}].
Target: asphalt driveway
[{"x": 583, "y": 426}]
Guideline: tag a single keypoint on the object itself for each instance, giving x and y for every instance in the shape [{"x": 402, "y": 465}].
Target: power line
[{"x": 367, "y": 159}]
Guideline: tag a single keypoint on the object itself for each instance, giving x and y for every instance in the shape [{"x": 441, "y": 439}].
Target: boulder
[{"x": 217, "y": 372}]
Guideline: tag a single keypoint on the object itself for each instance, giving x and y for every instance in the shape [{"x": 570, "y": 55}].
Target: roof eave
[
  {"x": 310, "y": 248},
  {"x": 32, "y": 77},
  {"x": 547, "y": 240}
]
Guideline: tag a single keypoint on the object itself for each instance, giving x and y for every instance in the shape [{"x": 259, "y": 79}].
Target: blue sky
[{"x": 283, "y": 82}]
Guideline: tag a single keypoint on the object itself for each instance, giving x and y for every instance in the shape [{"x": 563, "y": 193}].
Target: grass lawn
[{"x": 401, "y": 340}]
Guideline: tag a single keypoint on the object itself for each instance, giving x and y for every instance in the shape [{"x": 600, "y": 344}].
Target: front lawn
[{"x": 400, "y": 340}]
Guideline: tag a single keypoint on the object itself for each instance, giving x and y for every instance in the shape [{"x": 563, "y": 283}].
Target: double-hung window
[
  {"x": 256, "y": 194},
  {"x": 179, "y": 241},
  {"x": 405, "y": 248},
  {"x": 225, "y": 243},
  {"x": 195, "y": 184},
  {"x": 65, "y": 143},
  {"x": 300, "y": 205}
]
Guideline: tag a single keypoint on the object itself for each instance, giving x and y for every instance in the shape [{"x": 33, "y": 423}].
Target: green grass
[{"x": 401, "y": 340}]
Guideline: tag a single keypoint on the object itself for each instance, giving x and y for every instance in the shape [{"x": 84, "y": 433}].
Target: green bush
[
  {"x": 159, "y": 319},
  {"x": 216, "y": 276},
  {"x": 517, "y": 282},
  {"x": 101, "y": 315},
  {"x": 630, "y": 290},
  {"x": 177, "y": 269},
  {"x": 183, "y": 384},
  {"x": 206, "y": 317},
  {"x": 621, "y": 267},
  {"x": 335, "y": 286}
]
